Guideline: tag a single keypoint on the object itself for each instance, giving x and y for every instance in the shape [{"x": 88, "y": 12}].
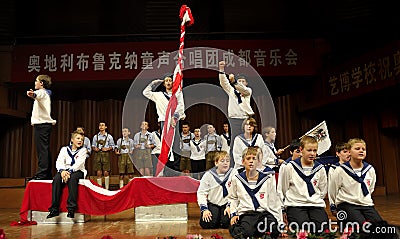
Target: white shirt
[
  {"x": 127, "y": 142},
  {"x": 64, "y": 160},
  {"x": 210, "y": 190},
  {"x": 236, "y": 110},
  {"x": 41, "y": 112},
  {"x": 161, "y": 102},
  {"x": 294, "y": 188},
  {"x": 343, "y": 188},
  {"x": 239, "y": 146},
  {"x": 195, "y": 153},
  {"x": 240, "y": 201}
]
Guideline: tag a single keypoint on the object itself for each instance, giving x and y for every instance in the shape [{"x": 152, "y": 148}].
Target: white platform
[
  {"x": 40, "y": 218},
  {"x": 168, "y": 212}
]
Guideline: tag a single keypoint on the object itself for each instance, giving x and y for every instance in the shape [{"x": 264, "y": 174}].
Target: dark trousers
[
  {"x": 236, "y": 129},
  {"x": 218, "y": 219},
  {"x": 312, "y": 219},
  {"x": 172, "y": 167},
  {"x": 198, "y": 168},
  {"x": 42, "y": 141},
  {"x": 357, "y": 215},
  {"x": 255, "y": 224},
  {"x": 154, "y": 161},
  {"x": 57, "y": 188}
]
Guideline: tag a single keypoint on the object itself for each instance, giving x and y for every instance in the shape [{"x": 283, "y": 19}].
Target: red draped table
[{"x": 94, "y": 200}]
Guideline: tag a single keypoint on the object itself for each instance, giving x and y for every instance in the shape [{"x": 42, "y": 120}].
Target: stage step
[{"x": 12, "y": 182}]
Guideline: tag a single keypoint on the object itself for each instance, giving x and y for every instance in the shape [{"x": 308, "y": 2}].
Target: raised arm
[{"x": 148, "y": 91}]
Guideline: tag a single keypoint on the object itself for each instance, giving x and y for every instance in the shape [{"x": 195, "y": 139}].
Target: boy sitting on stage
[
  {"x": 304, "y": 186},
  {"x": 351, "y": 186},
  {"x": 212, "y": 192},
  {"x": 254, "y": 203},
  {"x": 70, "y": 166}
]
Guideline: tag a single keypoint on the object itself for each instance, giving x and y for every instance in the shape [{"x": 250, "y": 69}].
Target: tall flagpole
[{"x": 168, "y": 131}]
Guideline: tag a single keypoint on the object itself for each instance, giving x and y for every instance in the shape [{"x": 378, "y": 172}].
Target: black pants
[
  {"x": 57, "y": 188},
  {"x": 154, "y": 161},
  {"x": 357, "y": 215},
  {"x": 198, "y": 168},
  {"x": 172, "y": 168},
  {"x": 218, "y": 219},
  {"x": 236, "y": 129},
  {"x": 312, "y": 219},
  {"x": 42, "y": 141},
  {"x": 255, "y": 224}
]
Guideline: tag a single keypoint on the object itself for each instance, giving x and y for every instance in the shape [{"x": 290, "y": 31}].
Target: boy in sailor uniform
[
  {"x": 343, "y": 154},
  {"x": 161, "y": 99},
  {"x": 197, "y": 154},
  {"x": 70, "y": 166},
  {"x": 351, "y": 186},
  {"x": 250, "y": 139},
  {"x": 239, "y": 98},
  {"x": 102, "y": 145},
  {"x": 304, "y": 186},
  {"x": 254, "y": 203},
  {"x": 270, "y": 136},
  {"x": 144, "y": 143},
  {"x": 212, "y": 193},
  {"x": 295, "y": 152},
  {"x": 123, "y": 149},
  {"x": 226, "y": 139}
]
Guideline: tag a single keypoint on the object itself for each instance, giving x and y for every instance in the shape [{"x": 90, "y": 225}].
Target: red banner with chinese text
[{"x": 125, "y": 60}]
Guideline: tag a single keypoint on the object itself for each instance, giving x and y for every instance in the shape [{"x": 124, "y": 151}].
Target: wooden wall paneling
[
  {"x": 372, "y": 138},
  {"x": 389, "y": 150}
]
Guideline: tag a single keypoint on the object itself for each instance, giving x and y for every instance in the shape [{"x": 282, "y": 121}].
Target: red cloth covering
[{"x": 94, "y": 200}]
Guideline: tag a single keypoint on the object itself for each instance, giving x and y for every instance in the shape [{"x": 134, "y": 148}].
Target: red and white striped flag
[{"x": 168, "y": 131}]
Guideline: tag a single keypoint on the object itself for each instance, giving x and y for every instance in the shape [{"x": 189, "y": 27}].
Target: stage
[{"x": 95, "y": 200}]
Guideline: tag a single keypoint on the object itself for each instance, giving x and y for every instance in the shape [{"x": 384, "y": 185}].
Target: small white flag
[{"x": 320, "y": 132}]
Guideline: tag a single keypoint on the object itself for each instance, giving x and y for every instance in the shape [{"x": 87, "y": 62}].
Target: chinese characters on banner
[
  {"x": 368, "y": 73},
  {"x": 109, "y": 61}
]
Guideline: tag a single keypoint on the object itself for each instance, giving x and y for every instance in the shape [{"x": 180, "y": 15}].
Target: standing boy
[
  {"x": 186, "y": 136},
  {"x": 143, "y": 142},
  {"x": 239, "y": 96},
  {"x": 161, "y": 99},
  {"x": 102, "y": 145},
  {"x": 213, "y": 144},
  {"x": 42, "y": 122},
  {"x": 123, "y": 149},
  {"x": 197, "y": 155}
]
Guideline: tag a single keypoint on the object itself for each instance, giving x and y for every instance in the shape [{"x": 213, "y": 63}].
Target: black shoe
[
  {"x": 37, "y": 178},
  {"x": 53, "y": 214},
  {"x": 71, "y": 214}
]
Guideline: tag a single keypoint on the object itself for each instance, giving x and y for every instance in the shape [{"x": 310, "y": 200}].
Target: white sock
[
  {"x": 99, "y": 181},
  {"x": 121, "y": 183},
  {"x": 107, "y": 182}
]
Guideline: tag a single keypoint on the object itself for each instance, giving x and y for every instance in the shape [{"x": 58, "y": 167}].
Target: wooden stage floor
[{"x": 122, "y": 225}]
